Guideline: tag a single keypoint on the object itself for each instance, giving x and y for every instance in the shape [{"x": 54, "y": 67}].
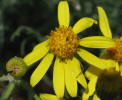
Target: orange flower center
[
  {"x": 116, "y": 52},
  {"x": 63, "y": 42}
]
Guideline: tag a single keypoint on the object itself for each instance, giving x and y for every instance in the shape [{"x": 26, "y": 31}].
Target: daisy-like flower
[
  {"x": 114, "y": 46},
  {"x": 63, "y": 44},
  {"x": 108, "y": 79}
]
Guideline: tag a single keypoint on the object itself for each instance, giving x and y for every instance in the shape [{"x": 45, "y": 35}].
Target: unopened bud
[{"x": 16, "y": 67}]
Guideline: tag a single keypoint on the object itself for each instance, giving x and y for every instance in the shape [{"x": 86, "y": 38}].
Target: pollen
[
  {"x": 109, "y": 81},
  {"x": 116, "y": 52},
  {"x": 63, "y": 42}
]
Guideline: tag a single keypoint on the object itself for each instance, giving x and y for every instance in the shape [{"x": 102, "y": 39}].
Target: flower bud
[{"x": 16, "y": 67}]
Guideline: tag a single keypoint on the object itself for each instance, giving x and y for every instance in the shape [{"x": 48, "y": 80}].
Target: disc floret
[
  {"x": 116, "y": 52},
  {"x": 63, "y": 42}
]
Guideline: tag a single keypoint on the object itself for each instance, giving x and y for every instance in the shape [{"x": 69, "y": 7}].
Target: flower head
[
  {"x": 116, "y": 51},
  {"x": 63, "y": 44},
  {"x": 113, "y": 46},
  {"x": 108, "y": 79}
]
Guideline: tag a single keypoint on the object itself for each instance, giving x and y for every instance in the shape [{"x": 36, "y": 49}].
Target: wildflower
[
  {"x": 107, "y": 79},
  {"x": 114, "y": 46},
  {"x": 63, "y": 43}
]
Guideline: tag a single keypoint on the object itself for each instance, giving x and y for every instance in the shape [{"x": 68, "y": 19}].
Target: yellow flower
[
  {"x": 114, "y": 46},
  {"x": 108, "y": 79},
  {"x": 44, "y": 96},
  {"x": 63, "y": 43}
]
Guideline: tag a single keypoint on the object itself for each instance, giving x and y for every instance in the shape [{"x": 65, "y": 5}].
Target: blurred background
[{"x": 25, "y": 23}]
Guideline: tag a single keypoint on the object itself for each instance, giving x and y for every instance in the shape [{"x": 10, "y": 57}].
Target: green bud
[{"x": 16, "y": 67}]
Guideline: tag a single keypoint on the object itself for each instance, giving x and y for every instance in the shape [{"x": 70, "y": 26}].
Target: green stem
[
  {"x": 7, "y": 91},
  {"x": 3, "y": 78}
]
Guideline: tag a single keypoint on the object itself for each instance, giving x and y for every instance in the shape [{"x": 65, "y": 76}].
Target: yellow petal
[
  {"x": 77, "y": 72},
  {"x": 109, "y": 64},
  {"x": 97, "y": 42},
  {"x": 95, "y": 97},
  {"x": 103, "y": 23},
  {"x": 58, "y": 78},
  {"x": 91, "y": 89},
  {"x": 92, "y": 86},
  {"x": 83, "y": 24},
  {"x": 48, "y": 97},
  {"x": 75, "y": 67},
  {"x": 70, "y": 79},
  {"x": 92, "y": 72},
  {"x": 81, "y": 79},
  {"x": 85, "y": 96},
  {"x": 117, "y": 66},
  {"x": 120, "y": 68},
  {"x": 91, "y": 59},
  {"x": 63, "y": 13},
  {"x": 42, "y": 68},
  {"x": 37, "y": 53}
]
